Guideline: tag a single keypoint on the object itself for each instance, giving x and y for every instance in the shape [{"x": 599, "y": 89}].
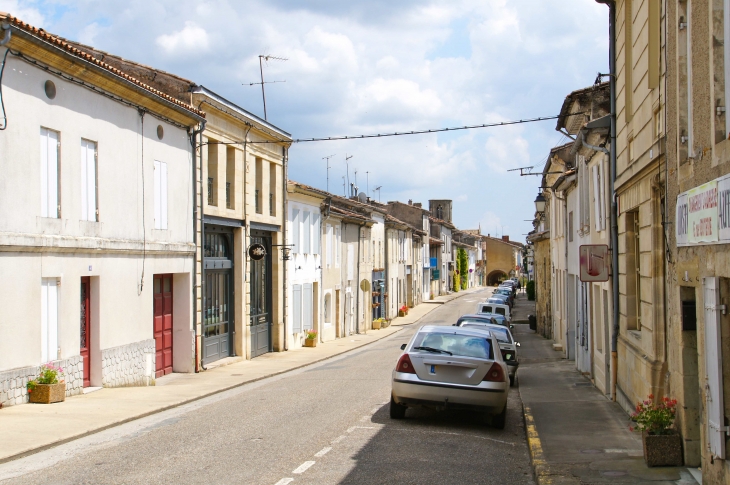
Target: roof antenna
[
  {"x": 261, "y": 70},
  {"x": 328, "y": 170}
]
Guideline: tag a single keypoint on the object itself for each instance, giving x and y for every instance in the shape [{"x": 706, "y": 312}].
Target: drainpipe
[
  {"x": 284, "y": 216},
  {"x": 357, "y": 300},
  {"x": 614, "y": 204},
  {"x": 193, "y": 136},
  {"x": 199, "y": 361},
  {"x": 387, "y": 273}
]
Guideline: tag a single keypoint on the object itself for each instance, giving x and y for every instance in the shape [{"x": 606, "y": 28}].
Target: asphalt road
[{"x": 324, "y": 424}]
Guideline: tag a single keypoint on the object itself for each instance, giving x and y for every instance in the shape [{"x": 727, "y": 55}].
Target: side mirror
[
  {"x": 511, "y": 327},
  {"x": 518, "y": 344},
  {"x": 403, "y": 346}
]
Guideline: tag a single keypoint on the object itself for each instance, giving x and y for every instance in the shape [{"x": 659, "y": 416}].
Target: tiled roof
[
  {"x": 435, "y": 242},
  {"x": 61, "y": 44}
]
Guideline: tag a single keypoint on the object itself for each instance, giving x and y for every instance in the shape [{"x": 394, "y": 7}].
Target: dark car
[{"x": 476, "y": 318}]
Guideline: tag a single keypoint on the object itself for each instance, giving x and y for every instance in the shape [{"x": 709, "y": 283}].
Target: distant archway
[{"x": 495, "y": 276}]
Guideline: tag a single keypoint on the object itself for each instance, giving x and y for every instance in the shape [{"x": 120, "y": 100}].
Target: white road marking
[
  {"x": 353, "y": 428},
  {"x": 323, "y": 451},
  {"x": 284, "y": 481},
  {"x": 375, "y": 410},
  {"x": 304, "y": 467},
  {"x": 367, "y": 417},
  {"x": 338, "y": 439}
]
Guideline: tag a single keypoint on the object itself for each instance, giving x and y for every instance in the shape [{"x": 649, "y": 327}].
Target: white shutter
[
  {"x": 163, "y": 195},
  {"x": 156, "y": 191},
  {"x": 338, "y": 249},
  {"x": 596, "y": 198},
  {"x": 306, "y": 233},
  {"x": 44, "y": 172},
  {"x": 713, "y": 365},
  {"x": 88, "y": 180},
  {"x": 296, "y": 307},
  {"x": 315, "y": 233},
  {"x": 49, "y": 173},
  {"x": 307, "y": 306},
  {"x": 350, "y": 261},
  {"x": 49, "y": 320},
  {"x": 296, "y": 244},
  {"x": 84, "y": 182},
  {"x": 602, "y": 192},
  {"x": 328, "y": 242}
]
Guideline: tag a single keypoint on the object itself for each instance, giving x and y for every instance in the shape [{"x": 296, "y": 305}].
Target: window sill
[{"x": 635, "y": 333}]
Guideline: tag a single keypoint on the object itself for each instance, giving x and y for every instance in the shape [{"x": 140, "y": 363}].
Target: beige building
[
  {"x": 504, "y": 259},
  {"x": 96, "y": 239}
]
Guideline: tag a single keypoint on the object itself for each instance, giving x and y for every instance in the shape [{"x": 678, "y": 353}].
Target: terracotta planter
[
  {"x": 376, "y": 325},
  {"x": 662, "y": 449},
  {"x": 48, "y": 393},
  {"x": 401, "y": 313},
  {"x": 310, "y": 342}
]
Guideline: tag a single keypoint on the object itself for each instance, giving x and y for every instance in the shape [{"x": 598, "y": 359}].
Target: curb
[
  {"x": 544, "y": 475},
  {"x": 48, "y": 446}
]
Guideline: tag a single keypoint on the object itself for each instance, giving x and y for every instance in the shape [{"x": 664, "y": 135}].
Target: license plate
[{"x": 433, "y": 369}]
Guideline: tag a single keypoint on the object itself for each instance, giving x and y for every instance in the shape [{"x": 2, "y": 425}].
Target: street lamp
[{"x": 540, "y": 204}]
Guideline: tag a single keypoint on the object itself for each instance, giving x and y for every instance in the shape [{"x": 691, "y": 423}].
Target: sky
[{"x": 361, "y": 67}]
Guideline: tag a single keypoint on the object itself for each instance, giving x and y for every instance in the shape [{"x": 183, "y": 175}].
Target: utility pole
[{"x": 328, "y": 170}]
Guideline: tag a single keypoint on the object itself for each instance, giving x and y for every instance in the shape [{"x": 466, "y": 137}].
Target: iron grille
[
  {"x": 271, "y": 204},
  {"x": 210, "y": 190},
  {"x": 257, "y": 201},
  {"x": 228, "y": 195}
]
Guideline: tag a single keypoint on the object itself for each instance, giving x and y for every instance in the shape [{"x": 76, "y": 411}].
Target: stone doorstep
[{"x": 558, "y": 347}]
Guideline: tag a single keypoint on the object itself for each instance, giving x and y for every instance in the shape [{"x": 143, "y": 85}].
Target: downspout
[
  {"x": 246, "y": 232},
  {"x": 357, "y": 300},
  {"x": 199, "y": 362},
  {"x": 612, "y": 181},
  {"x": 387, "y": 273},
  {"x": 195, "y": 240},
  {"x": 284, "y": 202}
]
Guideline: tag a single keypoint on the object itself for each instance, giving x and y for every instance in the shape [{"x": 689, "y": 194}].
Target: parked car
[
  {"x": 511, "y": 285},
  {"x": 501, "y": 319},
  {"x": 476, "y": 318},
  {"x": 506, "y": 292},
  {"x": 451, "y": 368},
  {"x": 507, "y": 345},
  {"x": 499, "y": 298},
  {"x": 498, "y": 308}
]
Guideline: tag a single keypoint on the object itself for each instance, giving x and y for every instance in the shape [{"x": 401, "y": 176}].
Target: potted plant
[
  {"x": 377, "y": 324},
  {"x": 310, "y": 339},
  {"x": 403, "y": 311},
  {"x": 662, "y": 445},
  {"x": 46, "y": 388}
]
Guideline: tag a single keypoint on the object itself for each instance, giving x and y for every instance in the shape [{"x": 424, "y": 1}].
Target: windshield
[
  {"x": 501, "y": 333},
  {"x": 455, "y": 344}
]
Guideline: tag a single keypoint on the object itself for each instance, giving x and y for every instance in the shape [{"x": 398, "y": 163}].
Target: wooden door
[
  {"x": 163, "y": 324},
  {"x": 86, "y": 329}
]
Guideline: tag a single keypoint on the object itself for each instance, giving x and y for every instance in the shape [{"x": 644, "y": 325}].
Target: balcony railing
[
  {"x": 257, "y": 201},
  {"x": 271, "y": 205},
  {"x": 228, "y": 195},
  {"x": 210, "y": 191}
]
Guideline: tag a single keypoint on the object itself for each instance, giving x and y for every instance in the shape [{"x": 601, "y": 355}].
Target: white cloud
[
  {"x": 191, "y": 39},
  {"x": 23, "y": 11}
]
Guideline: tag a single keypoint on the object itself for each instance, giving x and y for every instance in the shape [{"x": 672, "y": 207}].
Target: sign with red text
[{"x": 702, "y": 214}]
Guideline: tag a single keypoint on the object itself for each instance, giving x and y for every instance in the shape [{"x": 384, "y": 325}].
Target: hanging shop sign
[
  {"x": 256, "y": 252},
  {"x": 594, "y": 262},
  {"x": 703, "y": 214}
]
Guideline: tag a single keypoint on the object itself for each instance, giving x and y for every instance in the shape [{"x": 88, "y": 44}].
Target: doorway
[
  {"x": 218, "y": 292},
  {"x": 261, "y": 297},
  {"x": 85, "y": 325},
  {"x": 162, "y": 294}
]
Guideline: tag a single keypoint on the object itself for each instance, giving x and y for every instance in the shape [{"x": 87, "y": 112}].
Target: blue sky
[{"x": 375, "y": 66}]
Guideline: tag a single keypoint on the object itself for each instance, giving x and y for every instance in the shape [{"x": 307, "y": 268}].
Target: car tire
[
  {"x": 511, "y": 381},
  {"x": 499, "y": 420},
  {"x": 397, "y": 411}
]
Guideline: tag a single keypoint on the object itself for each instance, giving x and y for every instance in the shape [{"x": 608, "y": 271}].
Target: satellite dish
[{"x": 362, "y": 197}]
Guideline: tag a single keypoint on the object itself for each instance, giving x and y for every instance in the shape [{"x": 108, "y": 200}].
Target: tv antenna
[
  {"x": 377, "y": 189},
  {"x": 344, "y": 187},
  {"x": 524, "y": 171},
  {"x": 348, "y": 166},
  {"x": 263, "y": 58},
  {"x": 367, "y": 182},
  {"x": 328, "y": 170}
]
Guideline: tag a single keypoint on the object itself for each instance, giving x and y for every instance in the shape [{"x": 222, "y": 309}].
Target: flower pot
[
  {"x": 401, "y": 313},
  {"x": 48, "y": 393},
  {"x": 376, "y": 325},
  {"x": 310, "y": 342},
  {"x": 662, "y": 449}
]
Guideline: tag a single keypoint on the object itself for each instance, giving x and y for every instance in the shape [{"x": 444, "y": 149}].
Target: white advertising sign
[
  {"x": 681, "y": 220},
  {"x": 723, "y": 208},
  {"x": 702, "y": 213}
]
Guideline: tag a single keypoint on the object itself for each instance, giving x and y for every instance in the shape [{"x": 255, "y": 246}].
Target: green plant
[
  {"x": 654, "y": 418},
  {"x": 530, "y": 289},
  {"x": 49, "y": 374},
  {"x": 456, "y": 281},
  {"x": 462, "y": 261},
  {"x": 311, "y": 334}
]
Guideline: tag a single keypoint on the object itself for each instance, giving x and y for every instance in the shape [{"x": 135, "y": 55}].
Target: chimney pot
[{"x": 505, "y": 238}]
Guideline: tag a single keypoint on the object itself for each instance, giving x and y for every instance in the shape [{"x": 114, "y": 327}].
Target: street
[{"x": 326, "y": 423}]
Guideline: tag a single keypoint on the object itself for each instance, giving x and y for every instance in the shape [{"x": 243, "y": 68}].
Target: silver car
[
  {"x": 507, "y": 345},
  {"x": 451, "y": 368}
]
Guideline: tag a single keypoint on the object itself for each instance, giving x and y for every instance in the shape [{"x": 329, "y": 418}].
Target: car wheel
[
  {"x": 499, "y": 420},
  {"x": 511, "y": 381},
  {"x": 397, "y": 411}
]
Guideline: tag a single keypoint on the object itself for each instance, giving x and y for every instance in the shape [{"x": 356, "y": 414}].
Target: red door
[
  {"x": 163, "y": 324},
  {"x": 85, "y": 329}
]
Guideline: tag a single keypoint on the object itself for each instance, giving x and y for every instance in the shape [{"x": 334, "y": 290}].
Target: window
[
  {"x": 89, "y": 210},
  {"x": 50, "y": 180},
  {"x": 272, "y": 189},
  {"x": 160, "y": 188},
  {"x": 350, "y": 262},
  {"x": 49, "y": 319},
  {"x": 315, "y": 233},
  {"x": 230, "y": 177},
  {"x": 633, "y": 271},
  {"x": 597, "y": 171},
  {"x": 306, "y": 236},
  {"x": 328, "y": 243},
  {"x": 295, "y": 239},
  {"x": 212, "y": 172},
  {"x": 570, "y": 226},
  {"x": 259, "y": 186}
]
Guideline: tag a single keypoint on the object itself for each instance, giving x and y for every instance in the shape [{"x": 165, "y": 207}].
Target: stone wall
[
  {"x": 128, "y": 365},
  {"x": 543, "y": 287},
  {"x": 13, "y": 382}
]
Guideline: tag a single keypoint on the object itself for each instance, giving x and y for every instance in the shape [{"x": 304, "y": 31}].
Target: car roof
[
  {"x": 490, "y": 314},
  {"x": 451, "y": 330},
  {"x": 481, "y": 316}
]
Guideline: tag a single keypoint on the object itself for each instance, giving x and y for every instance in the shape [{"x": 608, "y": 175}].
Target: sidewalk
[{"x": 575, "y": 434}]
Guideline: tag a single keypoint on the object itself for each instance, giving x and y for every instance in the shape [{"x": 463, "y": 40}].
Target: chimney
[
  {"x": 418, "y": 204},
  {"x": 505, "y": 238},
  {"x": 410, "y": 201}
]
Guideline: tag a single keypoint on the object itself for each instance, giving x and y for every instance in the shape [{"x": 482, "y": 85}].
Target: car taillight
[
  {"x": 508, "y": 355},
  {"x": 495, "y": 374},
  {"x": 405, "y": 365}
]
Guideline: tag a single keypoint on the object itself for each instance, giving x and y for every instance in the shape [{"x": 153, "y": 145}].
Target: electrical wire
[{"x": 2, "y": 97}]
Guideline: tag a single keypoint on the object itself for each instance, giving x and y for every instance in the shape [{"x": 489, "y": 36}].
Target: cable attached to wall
[
  {"x": 144, "y": 227},
  {"x": 2, "y": 96}
]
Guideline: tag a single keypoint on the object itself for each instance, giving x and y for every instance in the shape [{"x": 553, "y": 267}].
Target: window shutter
[
  {"x": 49, "y": 173},
  {"x": 337, "y": 248},
  {"x": 350, "y": 261},
  {"x": 156, "y": 190},
  {"x": 84, "y": 182},
  {"x": 296, "y": 248},
  {"x": 297, "y": 309},
  {"x": 163, "y": 195},
  {"x": 306, "y": 235},
  {"x": 315, "y": 233},
  {"x": 602, "y": 194},
  {"x": 597, "y": 198},
  {"x": 328, "y": 242},
  {"x": 307, "y": 306},
  {"x": 713, "y": 366},
  {"x": 49, "y": 319}
]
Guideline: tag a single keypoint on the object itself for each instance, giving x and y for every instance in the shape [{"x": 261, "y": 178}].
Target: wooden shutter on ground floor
[{"x": 713, "y": 368}]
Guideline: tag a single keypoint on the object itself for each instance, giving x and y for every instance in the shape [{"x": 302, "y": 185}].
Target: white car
[
  {"x": 497, "y": 308},
  {"x": 447, "y": 367}
]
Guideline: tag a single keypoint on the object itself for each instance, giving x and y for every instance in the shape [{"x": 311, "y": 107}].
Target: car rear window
[
  {"x": 501, "y": 334},
  {"x": 461, "y": 345},
  {"x": 479, "y": 321}
]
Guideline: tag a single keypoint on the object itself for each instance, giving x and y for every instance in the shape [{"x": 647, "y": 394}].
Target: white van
[{"x": 495, "y": 308}]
